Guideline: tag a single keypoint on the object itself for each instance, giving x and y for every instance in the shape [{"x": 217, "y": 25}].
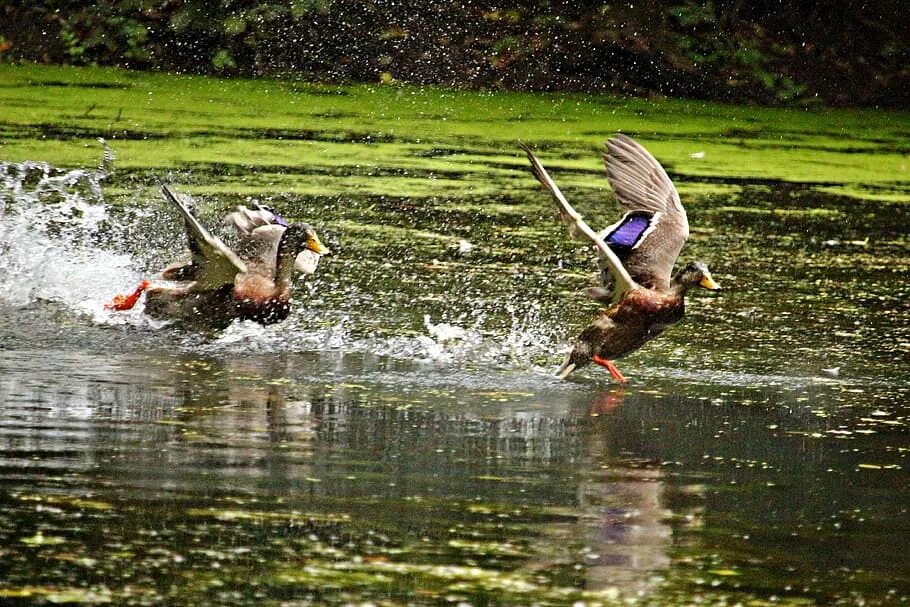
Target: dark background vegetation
[{"x": 826, "y": 52}]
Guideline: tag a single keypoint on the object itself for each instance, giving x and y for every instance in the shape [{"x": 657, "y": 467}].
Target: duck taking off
[
  {"x": 219, "y": 284},
  {"x": 636, "y": 256}
]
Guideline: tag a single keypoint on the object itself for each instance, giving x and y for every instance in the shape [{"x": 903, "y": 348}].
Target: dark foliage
[{"x": 828, "y": 51}]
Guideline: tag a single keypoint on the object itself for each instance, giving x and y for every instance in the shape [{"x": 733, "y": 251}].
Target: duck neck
[
  {"x": 284, "y": 263},
  {"x": 679, "y": 288}
]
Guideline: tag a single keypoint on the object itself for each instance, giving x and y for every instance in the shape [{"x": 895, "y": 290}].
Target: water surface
[{"x": 400, "y": 438}]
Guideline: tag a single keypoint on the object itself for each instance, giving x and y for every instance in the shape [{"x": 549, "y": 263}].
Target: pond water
[{"x": 400, "y": 438}]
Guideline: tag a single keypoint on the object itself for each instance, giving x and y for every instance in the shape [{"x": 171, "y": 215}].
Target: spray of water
[
  {"x": 59, "y": 243},
  {"x": 527, "y": 342},
  {"x": 53, "y": 224}
]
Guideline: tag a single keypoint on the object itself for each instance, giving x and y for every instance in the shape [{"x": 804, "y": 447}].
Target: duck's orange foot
[
  {"x": 126, "y": 302},
  {"x": 609, "y": 366}
]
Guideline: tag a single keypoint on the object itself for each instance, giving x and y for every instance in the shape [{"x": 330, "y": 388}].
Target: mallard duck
[
  {"x": 636, "y": 256},
  {"x": 253, "y": 283}
]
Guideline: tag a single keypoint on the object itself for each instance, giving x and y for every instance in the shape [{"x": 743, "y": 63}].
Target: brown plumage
[
  {"x": 221, "y": 285},
  {"x": 636, "y": 257}
]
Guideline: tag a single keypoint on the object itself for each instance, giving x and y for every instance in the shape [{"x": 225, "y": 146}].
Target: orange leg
[
  {"x": 609, "y": 366},
  {"x": 126, "y": 302}
]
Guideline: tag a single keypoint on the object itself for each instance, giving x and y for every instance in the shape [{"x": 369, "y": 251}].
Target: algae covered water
[{"x": 400, "y": 438}]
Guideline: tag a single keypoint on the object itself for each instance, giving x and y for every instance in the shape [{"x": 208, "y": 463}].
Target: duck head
[
  {"x": 298, "y": 248},
  {"x": 695, "y": 274},
  {"x": 301, "y": 237}
]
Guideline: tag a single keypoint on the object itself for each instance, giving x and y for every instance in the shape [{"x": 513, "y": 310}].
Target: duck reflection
[
  {"x": 607, "y": 402},
  {"x": 621, "y": 536},
  {"x": 613, "y": 529},
  {"x": 575, "y": 481},
  {"x": 623, "y": 520}
]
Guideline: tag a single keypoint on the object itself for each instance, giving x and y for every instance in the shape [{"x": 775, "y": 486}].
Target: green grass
[{"x": 312, "y": 139}]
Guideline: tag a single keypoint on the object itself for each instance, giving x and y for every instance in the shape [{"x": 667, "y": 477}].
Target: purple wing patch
[
  {"x": 623, "y": 238},
  {"x": 276, "y": 218},
  {"x": 279, "y": 219}
]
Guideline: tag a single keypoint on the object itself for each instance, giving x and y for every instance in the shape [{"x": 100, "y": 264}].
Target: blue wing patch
[{"x": 626, "y": 234}]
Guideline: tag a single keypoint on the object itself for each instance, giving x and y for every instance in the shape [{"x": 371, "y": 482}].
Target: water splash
[
  {"x": 40, "y": 181},
  {"x": 526, "y": 343},
  {"x": 60, "y": 243},
  {"x": 52, "y": 226}
]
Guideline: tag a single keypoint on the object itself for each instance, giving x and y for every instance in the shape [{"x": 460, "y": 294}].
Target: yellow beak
[
  {"x": 313, "y": 244},
  {"x": 708, "y": 283}
]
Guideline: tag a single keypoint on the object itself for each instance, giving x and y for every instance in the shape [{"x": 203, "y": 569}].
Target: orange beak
[
  {"x": 708, "y": 283},
  {"x": 313, "y": 244}
]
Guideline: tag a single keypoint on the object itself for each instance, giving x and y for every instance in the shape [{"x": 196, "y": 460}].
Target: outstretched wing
[
  {"x": 579, "y": 229},
  {"x": 651, "y": 234},
  {"x": 260, "y": 230},
  {"x": 213, "y": 263}
]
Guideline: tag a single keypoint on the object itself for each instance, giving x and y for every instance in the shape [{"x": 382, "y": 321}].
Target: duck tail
[{"x": 567, "y": 367}]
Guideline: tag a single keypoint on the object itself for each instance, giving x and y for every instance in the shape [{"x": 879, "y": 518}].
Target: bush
[{"x": 728, "y": 49}]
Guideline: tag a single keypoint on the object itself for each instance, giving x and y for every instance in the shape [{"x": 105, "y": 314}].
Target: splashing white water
[
  {"x": 58, "y": 241},
  {"x": 51, "y": 224},
  {"x": 526, "y": 342}
]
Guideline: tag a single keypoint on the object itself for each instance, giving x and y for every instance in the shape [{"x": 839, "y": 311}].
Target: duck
[
  {"x": 636, "y": 257},
  {"x": 220, "y": 284}
]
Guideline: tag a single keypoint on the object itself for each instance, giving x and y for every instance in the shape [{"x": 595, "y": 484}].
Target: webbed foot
[{"x": 123, "y": 302}]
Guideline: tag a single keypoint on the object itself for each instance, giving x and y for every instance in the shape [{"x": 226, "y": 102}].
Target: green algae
[
  {"x": 410, "y": 141},
  {"x": 59, "y": 596}
]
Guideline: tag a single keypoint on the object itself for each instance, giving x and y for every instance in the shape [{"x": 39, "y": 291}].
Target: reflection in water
[
  {"x": 606, "y": 402},
  {"x": 623, "y": 513},
  {"x": 277, "y": 465},
  {"x": 621, "y": 536},
  {"x": 366, "y": 453},
  {"x": 244, "y": 440},
  {"x": 626, "y": 530}
]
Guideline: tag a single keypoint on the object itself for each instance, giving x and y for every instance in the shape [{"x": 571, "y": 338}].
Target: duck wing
[
  {"x": 580, "y": 230},
  {"x": 245, "y": 220},
  {"x": 213, "y": 263},
  {"x": 650, "y": 235},
  {"x": 259, "y": 232}
]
